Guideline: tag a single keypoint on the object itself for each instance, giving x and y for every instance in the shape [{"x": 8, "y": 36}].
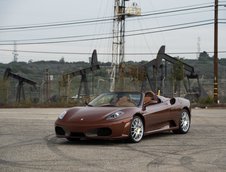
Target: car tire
[
  {"x": 136, "y": 130},
  {"x": 184, "y": 123}
]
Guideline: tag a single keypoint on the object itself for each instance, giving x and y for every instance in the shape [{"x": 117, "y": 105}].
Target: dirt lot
[{"x": 28, "y": 143}]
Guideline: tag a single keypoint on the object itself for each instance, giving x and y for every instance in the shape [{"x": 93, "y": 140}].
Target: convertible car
[{"x": 124, "y": 115}]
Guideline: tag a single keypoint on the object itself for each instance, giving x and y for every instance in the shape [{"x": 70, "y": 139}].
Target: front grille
[
  {"x": 104, "y": 132},
  {"x": 99, "y": 132},
  {"x": 59, "y": 131},
  {"x": 77, "y": 134}
]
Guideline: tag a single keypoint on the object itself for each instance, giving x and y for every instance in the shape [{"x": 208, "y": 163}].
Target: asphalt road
[{"x": 28, "y": 143}]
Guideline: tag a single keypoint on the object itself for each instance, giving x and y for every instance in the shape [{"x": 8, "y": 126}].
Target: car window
[
  {"x": 102, "y": 100},
  {"x": 136, "y": 98},
  {"x": 120, "y": 99}
]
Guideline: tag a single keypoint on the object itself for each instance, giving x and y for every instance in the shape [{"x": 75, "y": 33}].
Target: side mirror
[{"x": 172, "y": 101}]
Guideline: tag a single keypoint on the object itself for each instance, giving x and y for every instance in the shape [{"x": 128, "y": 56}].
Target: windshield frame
[{"x": 110, "y": 99}]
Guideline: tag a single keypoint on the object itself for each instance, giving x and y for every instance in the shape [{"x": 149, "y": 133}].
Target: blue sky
[{"x": 14, "y": 13}]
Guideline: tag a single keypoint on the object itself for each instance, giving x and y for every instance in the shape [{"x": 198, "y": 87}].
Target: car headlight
[
  {"x": 114, "y": 115},
  {"x": 61, "y": 116}
]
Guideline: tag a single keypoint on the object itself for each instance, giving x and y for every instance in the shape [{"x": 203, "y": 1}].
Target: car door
[{"x": 157, "y": 116}]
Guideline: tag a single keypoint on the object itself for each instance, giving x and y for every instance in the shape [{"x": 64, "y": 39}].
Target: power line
[
  {"x": 183, "y": 10},
  {"x": 55, "y": 25},
  {"x": 88, "y": 35},
  {"x": 173, "y": 25},
  {"x": 172, "y": 29},
  {"x": 97, "y": 20},
  {"x": 177, "y": 10},
  {"x": 110, "y": 21},
  {"x": 173, "y": 15},
  {"x": 198, "y": 24},
  {"x": 100, "y": 53},
  {"x": 53, "y": 38}
]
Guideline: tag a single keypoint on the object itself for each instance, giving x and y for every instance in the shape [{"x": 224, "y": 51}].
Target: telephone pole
[
  {"x": 15, "y": 54},
  {"x": 215, "y": 92}
]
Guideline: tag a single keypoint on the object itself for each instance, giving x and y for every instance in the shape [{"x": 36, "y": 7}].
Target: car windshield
[{"x": 117, "y": 99}]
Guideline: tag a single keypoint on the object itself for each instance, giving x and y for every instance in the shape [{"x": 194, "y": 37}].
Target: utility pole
[
  {"x": 15, "y": 54},
  {"x": 198, "y": 47},
  {"x": 215, "y": 93},
  {"x": 47, "y": 85}
]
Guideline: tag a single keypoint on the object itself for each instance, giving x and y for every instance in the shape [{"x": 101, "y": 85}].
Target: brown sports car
[{"x": 128, "y": 115}]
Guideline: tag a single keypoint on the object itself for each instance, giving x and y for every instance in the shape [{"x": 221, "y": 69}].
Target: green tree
[
  {"x": 178, "y": 75},
  {"x": 62, "y": 60},
  {"x": 204, "y": 56}
]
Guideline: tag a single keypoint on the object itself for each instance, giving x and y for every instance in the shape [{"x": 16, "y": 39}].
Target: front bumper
[{"x": 108, "y": 130}]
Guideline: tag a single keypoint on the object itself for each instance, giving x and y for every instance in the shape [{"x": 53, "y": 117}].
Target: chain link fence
[{"x": 53, "y": 92}]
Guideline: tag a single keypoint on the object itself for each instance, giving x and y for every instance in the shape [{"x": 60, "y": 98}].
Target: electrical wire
[
  {"x": 101, "y": 20},
  {"x": 55, "y": 25},
  {"x": 175, "y": 15},
  {"x": 101, "y": 53},
  {"x": 88, "y": 35},
  {"x": 172, "y": 29},
  {"x": 175, "y": 27},
  {"x": 158, "y": 13},
  {"x": 176, "y": 10}
]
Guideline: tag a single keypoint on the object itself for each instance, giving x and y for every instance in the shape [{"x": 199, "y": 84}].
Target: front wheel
[
  {"x": 184, "y": 124},
  {"x": 136, "y": 130}
]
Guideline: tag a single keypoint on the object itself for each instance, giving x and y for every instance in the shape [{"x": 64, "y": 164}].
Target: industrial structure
[
  {"x": 118, "y": 44},
  {"x": 164, "y": 75},
  {"x": 161, "y": 72},
  {"x": 20, "y": 86},
  {"x": 66, "y": 78}
]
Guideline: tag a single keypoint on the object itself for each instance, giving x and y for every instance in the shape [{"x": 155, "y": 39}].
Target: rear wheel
[
  {"x": 184, "y": 124},
  {"x": 136, "y": 130}
]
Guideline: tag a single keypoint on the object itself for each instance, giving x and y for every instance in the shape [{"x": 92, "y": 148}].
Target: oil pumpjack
[{"x": 20, "y": 86}]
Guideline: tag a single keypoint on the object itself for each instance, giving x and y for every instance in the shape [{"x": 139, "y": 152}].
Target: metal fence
[{"x": 54, "y": 92}]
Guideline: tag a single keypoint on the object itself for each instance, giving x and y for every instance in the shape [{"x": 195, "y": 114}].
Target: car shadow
[
  {"x": 158, "y": 135},
  {"x": 102, "y": 142},
  {"x": 97, "y": 142}
]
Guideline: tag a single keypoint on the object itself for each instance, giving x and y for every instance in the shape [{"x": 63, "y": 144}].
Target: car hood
[{"x": 89, "y": 114}]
